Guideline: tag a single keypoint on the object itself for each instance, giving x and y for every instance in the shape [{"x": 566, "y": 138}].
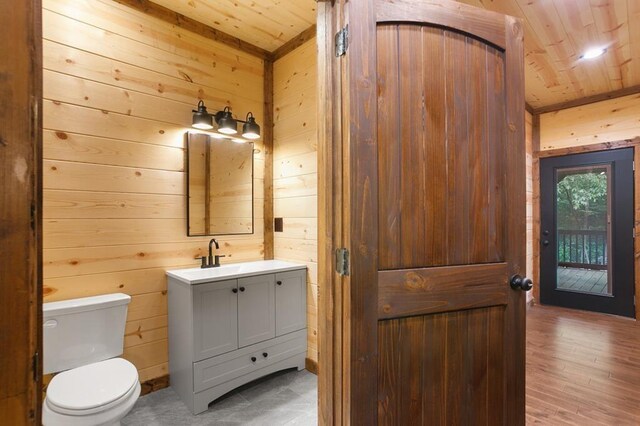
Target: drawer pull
[
  {"x": 241, "y": 288},
  {"x": 279, "y": 282},
  {"x": 235, "y": 290},
  {"x": 253, "y": 359},
  {"x": 264, "y": 354}
]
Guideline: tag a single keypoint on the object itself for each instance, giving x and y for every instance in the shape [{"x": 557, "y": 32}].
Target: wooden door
[
  {"x": 20, "y": 212},
  {"x": 425, "y": 188},
  {"x": 256, "y": 309}
]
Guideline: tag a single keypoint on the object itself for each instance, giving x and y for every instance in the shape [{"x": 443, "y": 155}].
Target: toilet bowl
[
  {"x": 101, "y": 393},
  {"x": 82, "y": 341}
]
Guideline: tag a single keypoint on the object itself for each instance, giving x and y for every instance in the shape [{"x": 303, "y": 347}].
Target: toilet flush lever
[{"x": 50, "y": 324}]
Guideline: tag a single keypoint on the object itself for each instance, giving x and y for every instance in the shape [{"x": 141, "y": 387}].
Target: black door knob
[
  {"x": 279, "y": 282},
  {"x": 254, "y": 359},
  {"x": 241, "y": 288},
  {"x": 235, "y": 290},
  {"x": 519, "y": 283},
  {"x": 264, "y": 354}
]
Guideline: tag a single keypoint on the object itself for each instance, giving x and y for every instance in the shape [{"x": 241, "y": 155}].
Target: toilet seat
[{"x": 92, "y": 388}]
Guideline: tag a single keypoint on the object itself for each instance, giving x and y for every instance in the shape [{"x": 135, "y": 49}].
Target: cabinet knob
[
  {"x": 241, "y": 288},
  {"x": 264, "y": 354},
  {"x": 235, "y": 290},
  {"x": 279, "y": 282},
  {"x": 253, "y": 359}
]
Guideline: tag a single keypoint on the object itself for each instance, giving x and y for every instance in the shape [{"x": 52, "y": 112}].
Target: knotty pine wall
[
  {"x": 295, "y": 178},
  {"x": 605, "y": 121},
  {"x": 119, "y": 87},
  {"x": 528, "y": 123}
]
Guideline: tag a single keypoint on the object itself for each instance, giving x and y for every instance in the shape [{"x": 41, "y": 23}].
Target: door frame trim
[{"x": 558, "y": 152}]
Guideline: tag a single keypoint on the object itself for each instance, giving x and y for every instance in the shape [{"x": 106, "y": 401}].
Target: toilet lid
[{"x": 93, "y": 385}]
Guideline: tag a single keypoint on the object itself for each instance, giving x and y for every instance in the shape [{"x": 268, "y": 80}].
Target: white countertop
[{"x": 231, "y": 271}]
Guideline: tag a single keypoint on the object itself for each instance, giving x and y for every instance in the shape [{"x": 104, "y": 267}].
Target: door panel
[
  {"x": 442, "y": 369},
  {"x": 441, "y": 148}
]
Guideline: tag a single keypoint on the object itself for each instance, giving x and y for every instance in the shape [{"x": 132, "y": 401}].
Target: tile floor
[{"x": 287, "y": 398}]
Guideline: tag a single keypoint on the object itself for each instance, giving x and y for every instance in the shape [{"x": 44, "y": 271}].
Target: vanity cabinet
[{"x": 233, "y": 325}]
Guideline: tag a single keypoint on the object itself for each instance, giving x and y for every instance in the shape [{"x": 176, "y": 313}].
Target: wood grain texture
[
  {"x": 441, "y": 369},
  {"x": 119, "y": 88},
  {"x": 607, "y": 121},
  {"x": 267, "y": 24},
  {"x": 267, "y": 138},
  {"x": 21, "y": 212},
  {"x": 558, "y": 32},
  {"x": 451, "y": 158},
  {"x": 330, "y": 197},
  {"x": 439, "y": 224},
  {"x": 294, "y": 43},
  {"x": 295, "y": 177},
  {"x": 153, "y": 385},
  {"x": 448, "y": 288},
  {"x": 460, "y": 17},
  {"x": 574, "y": 374},
  {"x": 157, "y": 10}
]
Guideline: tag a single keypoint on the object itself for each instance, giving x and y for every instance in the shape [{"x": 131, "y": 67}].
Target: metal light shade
[
  {"x": 250, "y": 129},
  {"x": 226, "y": 123},
  {"x": 201, "y": 118}
]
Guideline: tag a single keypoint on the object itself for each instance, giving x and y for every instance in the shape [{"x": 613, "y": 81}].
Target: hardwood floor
[{"x": 583, "y": 368}]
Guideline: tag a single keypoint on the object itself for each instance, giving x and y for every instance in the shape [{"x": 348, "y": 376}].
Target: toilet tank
[{"x": 82, "y": 331}]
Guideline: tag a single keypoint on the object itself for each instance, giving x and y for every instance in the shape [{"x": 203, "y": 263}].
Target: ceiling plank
[
  {"x": 294, "y": 43},
  {"x": 179, "y": 20}
]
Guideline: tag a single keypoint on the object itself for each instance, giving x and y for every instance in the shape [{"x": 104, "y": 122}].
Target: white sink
[{"x": 234, "y": 270}]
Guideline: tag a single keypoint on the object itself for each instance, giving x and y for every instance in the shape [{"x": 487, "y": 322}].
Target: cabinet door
[
  {"x": 215, "y": 318},
  {"x": 256, "y": 309},
  {"x": 291, "y": 301}
]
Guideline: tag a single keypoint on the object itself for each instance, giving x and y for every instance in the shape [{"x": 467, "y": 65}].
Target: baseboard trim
[
  {"x": 311, "y": 366},
  {"x": 153, "y": 385}
]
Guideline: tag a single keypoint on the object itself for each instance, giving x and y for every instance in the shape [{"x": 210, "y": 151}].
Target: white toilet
[{"x": 82, "y": 338}]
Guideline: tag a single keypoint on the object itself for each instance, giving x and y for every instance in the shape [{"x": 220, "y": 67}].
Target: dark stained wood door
[
  {"x": 435, "y": 215},
  {"x": 20, "y": 212}
]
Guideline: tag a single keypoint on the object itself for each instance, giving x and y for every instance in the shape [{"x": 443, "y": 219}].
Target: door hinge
[
  {"x": 633, "y": 166},
  {"x": 342, "y": 41},
  {"x": 35, "y": 365},
  {"x": 342, "y": 261}
]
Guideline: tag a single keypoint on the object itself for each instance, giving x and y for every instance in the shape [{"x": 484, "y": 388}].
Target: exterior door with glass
[{"x": 587, "y": 231}]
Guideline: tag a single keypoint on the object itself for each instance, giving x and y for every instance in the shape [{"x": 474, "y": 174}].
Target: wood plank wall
[
  {"x": 606, "y": 121},
  {"x": 295, "y": 177},
  {"x": 119, "y": 87}
]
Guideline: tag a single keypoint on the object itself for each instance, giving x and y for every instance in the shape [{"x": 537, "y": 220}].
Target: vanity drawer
[{"x": 220, "y": 369}]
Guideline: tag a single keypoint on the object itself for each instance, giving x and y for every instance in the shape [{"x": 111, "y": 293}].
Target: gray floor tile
[{"x": 285, "y": 398}]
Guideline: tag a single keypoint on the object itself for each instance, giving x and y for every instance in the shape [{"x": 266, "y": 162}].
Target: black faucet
[{"x": 212, "y": 261}]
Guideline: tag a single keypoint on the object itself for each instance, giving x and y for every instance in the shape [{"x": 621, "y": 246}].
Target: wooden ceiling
[
  {"x": 265, "y": 23},
  {"x": 557, "y": 32}
]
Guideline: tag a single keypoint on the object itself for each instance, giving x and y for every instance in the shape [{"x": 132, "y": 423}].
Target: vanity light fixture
[
  {"x": 593, "y": 53},
  {"x": 227, "y": 124},
  {"x": 250, "y": 129},
  {"x": 201, "y": 118}
]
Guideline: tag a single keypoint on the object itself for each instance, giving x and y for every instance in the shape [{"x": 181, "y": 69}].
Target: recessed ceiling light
[{"x": 593, "y": 53}]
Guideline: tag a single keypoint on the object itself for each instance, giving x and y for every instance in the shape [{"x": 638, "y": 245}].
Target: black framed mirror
[{"x": 219, "y": 186}]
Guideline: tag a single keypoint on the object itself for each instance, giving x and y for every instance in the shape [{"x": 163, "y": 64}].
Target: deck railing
[{"x": 582, "y": 249}]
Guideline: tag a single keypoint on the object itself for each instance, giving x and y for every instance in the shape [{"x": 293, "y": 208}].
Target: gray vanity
[{"x": 233, "y": 324}]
